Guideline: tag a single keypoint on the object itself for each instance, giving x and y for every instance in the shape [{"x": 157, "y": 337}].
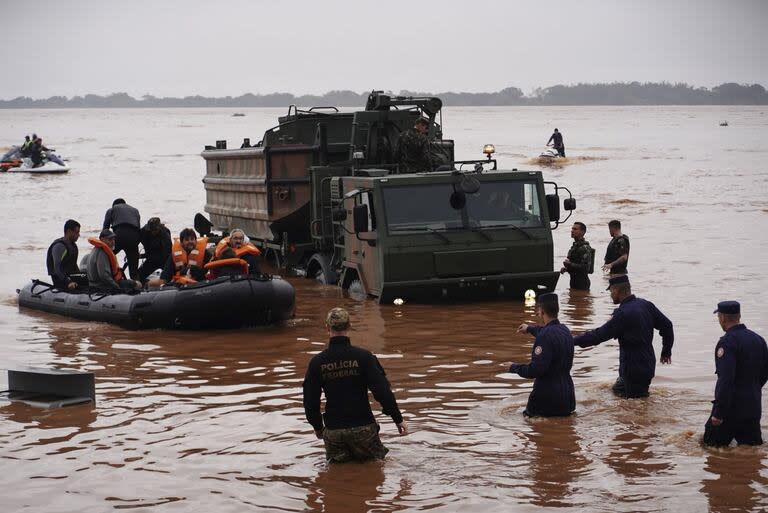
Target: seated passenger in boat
[
  {"x": 187, "y": 261},
  {"x": 103, "y": 271},
  {"x": 61, "y": 259},
  {"x": 227, "y": 264},
  {"x": 243, "y": 249}
]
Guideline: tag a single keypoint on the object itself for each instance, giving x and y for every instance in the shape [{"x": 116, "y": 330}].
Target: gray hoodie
[
  {"x": 99, "y": 271},
  {"x": 122, "y": 213}
]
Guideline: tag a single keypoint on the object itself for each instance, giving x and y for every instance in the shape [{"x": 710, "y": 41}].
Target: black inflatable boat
[{"x": 227, "y": 302}]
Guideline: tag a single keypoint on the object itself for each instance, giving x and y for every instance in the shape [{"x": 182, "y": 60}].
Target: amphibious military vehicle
[{"x": 321, "y": 194}]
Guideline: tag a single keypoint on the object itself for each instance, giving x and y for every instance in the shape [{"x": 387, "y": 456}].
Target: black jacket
[
  {"x": 632, "y": 323},
  {"x": 617, "y": 247},
  {"x": 122, "y": 214},
  {"x": 557, "y": 137},
  {"x": 550, "y": 367},
  {"x": 345, "y": 373},
  {"x": 741, "y": 360},
  {"x": 61, "y": 261},
  {"x": 157, "y": 248}
]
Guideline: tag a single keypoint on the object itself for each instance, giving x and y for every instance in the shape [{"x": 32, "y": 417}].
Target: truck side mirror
[
  {"x": 553, "y": 207},
  {"x": 569, "y": 203},
  {"x": 360, "y": 218}
]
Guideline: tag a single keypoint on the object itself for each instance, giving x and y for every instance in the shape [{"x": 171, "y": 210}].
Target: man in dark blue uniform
[
  {"x": 345, "y": 373},
  {"x": 632, "y": 323},
  {"x": 551, "y": 361},
  {"x": 741, "y": 362}
]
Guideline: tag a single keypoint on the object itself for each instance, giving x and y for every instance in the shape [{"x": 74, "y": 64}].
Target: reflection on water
[
  {"x": 214, "y": 420},
  {"x": 557, "y": 461},
  {"x": 736, "y": 481}
]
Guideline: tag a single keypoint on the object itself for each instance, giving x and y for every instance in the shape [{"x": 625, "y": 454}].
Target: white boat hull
[{"x": 48, "y": 167}]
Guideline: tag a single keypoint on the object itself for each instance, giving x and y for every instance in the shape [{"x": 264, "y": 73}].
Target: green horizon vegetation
[{"x": 616, "y": 93}]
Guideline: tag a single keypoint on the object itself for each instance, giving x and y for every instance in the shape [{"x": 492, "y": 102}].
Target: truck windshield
[{"x": 495, "y": 205}]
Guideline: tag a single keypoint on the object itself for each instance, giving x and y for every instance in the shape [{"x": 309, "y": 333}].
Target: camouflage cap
[{"x": 337, "y": 319}]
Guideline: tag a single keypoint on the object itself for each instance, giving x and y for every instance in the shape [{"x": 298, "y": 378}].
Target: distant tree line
[{"x": 617, "y": 93}]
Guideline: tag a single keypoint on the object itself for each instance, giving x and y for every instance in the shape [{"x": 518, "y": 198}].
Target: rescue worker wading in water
[{"x": 187, "y": 261}]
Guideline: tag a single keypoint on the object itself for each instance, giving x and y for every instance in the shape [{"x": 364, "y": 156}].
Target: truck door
[{"x": 362, "y": 252}]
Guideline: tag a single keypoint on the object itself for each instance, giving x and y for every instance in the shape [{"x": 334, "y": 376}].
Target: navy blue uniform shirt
[
  {"x": 632, "y": 323},
  {"x": 741, "y": 360},
  {"x": 345, "y": 373},
  {"x": 550, "y": 367}
]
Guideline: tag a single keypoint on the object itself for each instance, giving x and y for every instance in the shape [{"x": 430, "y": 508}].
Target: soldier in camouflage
[
  {"x": 579, "y": 259},
  {"x": 412, "y": 152},
  {"x": 617, "y": 254}
]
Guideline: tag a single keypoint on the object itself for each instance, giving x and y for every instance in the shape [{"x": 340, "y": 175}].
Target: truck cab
[{"x": 445, "y": 235}]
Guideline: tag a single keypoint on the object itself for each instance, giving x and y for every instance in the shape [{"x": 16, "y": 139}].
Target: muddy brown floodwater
[{"x": 213, "y": 421}]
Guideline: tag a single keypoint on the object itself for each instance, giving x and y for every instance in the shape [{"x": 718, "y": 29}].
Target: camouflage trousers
[{"x": 358, "y": 443}]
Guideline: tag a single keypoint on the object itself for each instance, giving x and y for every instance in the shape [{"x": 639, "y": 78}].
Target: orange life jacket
[
  {"x": 117, "y": 273},
  {"x": 181, "y": 258},
  {"x": 216, "y": 264},
  {"x": 245, "y": 249}
]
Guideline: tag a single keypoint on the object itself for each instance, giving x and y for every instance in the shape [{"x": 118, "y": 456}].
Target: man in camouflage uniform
[
  {"x": 617, "y": 254},
  {"x": 579, "y": 259},
  {"x": 412, "y": 152},
  {"x": 345, "y": 373}
]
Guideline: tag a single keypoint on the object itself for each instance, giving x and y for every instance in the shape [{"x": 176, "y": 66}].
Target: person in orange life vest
[
  {"x": 243, "y": 249},
  {"x": 230, "y": 265},
  {"x": 187, "y": 260},
  {"x": 103, "y": 271}
]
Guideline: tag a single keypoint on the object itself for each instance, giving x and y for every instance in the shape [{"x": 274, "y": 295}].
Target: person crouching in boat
[
  {"x": 227, "y": 264},
  {"x": 243, "y": 249},
  {"x": 186, "y": 264},
  {"x": 103, "y": 271}
]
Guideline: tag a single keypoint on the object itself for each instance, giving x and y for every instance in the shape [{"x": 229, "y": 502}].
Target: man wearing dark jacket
[
  {"x": 617, "y": 253},
  {"x": 556, "y": 140},
  {"x": 345, "y": 373},
  {"x": 741, "y": 360},
  {"x": 61, "y": 258},
  {"x": 632, "y": 323},
  {"x": 156, "y": 239},
  {"x": 551, "y": 362},
  {"x": 125, "y": 221},
  {"x": 578, "y": 263}
]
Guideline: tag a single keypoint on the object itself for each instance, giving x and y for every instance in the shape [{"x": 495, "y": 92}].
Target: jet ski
[
  {"x": 52, "y": 163},
  {"x": 549, "y": 154}
]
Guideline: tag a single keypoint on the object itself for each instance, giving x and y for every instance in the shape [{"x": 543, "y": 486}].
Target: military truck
[{"x": 321, "y": 194}]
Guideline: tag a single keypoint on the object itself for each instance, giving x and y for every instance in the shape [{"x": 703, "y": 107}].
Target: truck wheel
[
  {"x": 319, "y": 267},
  {"x": 320, "y": 277},
  {"x": 356, "y": 288}
]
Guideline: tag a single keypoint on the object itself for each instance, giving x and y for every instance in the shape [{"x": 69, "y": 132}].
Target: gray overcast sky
[{"x": 223, "y": 47}]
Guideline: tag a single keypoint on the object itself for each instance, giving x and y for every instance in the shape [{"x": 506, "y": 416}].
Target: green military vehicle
[{"x": 321, "y": 195}]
